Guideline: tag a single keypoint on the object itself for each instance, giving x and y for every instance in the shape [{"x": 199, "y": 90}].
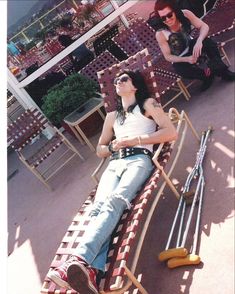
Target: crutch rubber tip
[
  {"x": 190, "y": 259},
  {"x": 173, "y": 252}
]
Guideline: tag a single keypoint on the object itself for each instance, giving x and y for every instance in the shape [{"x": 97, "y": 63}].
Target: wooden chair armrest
[
  {"x": 205, "y": 8},
  {"x": 97, "y": 170},
  {"x": 157, "y": 152}
]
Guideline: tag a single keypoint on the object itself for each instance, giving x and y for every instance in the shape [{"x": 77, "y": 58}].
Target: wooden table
[{"x": 80, "y": 114}]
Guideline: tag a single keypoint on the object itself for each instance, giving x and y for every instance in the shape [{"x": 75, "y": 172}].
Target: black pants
[
  {"x": 79, "y": 64},
  {"x": 193, "y": 71}
]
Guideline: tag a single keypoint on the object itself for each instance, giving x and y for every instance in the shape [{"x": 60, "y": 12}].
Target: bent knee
[{"x": 121, "y": 199}]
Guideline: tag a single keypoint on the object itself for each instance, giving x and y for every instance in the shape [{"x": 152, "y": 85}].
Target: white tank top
[{"x": 135, "y": 124}]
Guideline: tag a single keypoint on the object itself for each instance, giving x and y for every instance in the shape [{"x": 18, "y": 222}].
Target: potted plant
[{"x": 67, "y": 96}]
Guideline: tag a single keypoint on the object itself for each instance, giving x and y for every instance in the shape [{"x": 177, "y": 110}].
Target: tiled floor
[{"x": 37, "y": 218}]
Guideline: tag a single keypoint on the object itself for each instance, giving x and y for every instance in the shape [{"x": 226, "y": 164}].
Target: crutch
[
  {"x": 179, "y": 251},
  {"x": 193, "y": 174},
  {"x": 193, "y": 258}
]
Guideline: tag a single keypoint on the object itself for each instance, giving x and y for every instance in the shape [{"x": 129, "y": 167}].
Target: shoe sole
[
  {"x": 57, "y": 280},
  {"x": 204, "y": 88},
  {"x": 79, "y": 280}
]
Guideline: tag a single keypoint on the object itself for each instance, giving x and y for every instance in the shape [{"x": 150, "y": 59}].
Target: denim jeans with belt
[{"x": 118, "y": 186}]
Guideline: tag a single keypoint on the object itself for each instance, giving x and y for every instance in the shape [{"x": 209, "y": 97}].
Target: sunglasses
[
  {"x": 168, "y": 15},
  {"x": 121, "y": 79}
]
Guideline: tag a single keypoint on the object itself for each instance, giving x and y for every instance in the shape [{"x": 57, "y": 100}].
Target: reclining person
[
  {"x": 192, "y": 58},
  {"x": 134, "y": 126}
]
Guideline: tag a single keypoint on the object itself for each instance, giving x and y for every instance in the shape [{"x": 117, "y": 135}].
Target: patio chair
[
  {"x": 141, "y": 35},
  {"x": 140, "y": 61},
  {"x": 221, "y": 19},
  {"x": 129, "y": 235},
  {"x": 105, "y": 59},
  {"x": 105, "y": 42},
  {"x": 136, "y": 37},
  {"x": 43, "y": 161}
]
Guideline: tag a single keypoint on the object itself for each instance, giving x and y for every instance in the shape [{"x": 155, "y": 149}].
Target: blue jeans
[{"x": 118, "y": 186}]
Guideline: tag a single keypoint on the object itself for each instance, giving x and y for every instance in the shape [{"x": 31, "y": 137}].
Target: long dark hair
[
  {"x": 161, "y": 4},
  {"x": 141, "y": 94}
]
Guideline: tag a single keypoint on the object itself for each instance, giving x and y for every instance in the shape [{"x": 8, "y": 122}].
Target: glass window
[
  {"x": 106, "y": 10},
  {"x": 120, "y": 2}
]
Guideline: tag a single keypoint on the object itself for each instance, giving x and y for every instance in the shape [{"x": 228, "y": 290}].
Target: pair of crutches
[{"x": 180, "y": 256}]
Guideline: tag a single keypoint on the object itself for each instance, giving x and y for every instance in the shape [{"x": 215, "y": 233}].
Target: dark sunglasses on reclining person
[
  {"x": 168, "y": 15},
  {"x": 121, "y": 79}
]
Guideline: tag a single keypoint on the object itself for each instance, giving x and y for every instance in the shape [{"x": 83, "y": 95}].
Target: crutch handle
[
  {"x": 173, "y": 252},
  {"x": 190, "y": 259},
  {"x": 188, "y": 196}
]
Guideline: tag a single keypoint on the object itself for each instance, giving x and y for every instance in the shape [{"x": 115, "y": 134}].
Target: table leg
[
  {"x": 81, "y": 133},
  {"x": 101, "y": 113},
  {"x": 78, "y": 136}
]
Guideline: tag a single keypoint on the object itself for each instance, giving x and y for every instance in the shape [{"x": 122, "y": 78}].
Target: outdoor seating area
[
  {"x": 48, "y": 214},
  {"x": 77, "y": 177}
]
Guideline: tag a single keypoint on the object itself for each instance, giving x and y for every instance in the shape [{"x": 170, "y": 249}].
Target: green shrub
[{"x": 65, "y": 97}]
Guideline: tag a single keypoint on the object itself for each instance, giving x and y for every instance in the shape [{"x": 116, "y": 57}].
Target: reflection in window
[
  {"x": 37, "y": 40},
  {"x": 106, "y": 10}
]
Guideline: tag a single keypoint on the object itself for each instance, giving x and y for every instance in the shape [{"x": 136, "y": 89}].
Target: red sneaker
[
  {"x": 59, "y": 274},
  {"x": 82, "y": 278}
]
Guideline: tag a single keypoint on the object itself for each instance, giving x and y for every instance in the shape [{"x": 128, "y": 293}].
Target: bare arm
[
  {"x": 106, "y": 135},
  {"x": 166, "y": 131},
  {"x": 167, "y": 52},
  {"x": 203, "y": 28}
]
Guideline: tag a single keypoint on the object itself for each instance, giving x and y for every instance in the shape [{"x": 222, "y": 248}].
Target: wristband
[{"x": 110, "y": 147}]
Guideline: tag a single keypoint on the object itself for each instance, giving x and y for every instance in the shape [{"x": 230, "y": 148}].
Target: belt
[{"x": 130, "y": 151}]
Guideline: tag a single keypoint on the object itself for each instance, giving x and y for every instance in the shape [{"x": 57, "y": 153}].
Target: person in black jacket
[
  {"x": 81, "y": 56},
  {"x": 197, "y": 58}
]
